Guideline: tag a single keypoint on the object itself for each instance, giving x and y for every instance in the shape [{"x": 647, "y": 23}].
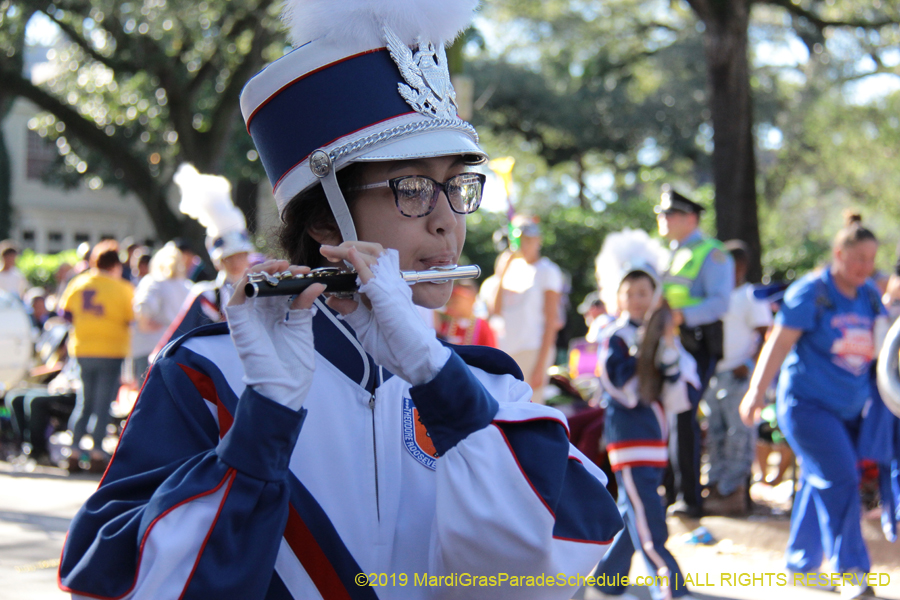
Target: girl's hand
[
  {"x": 273, "y": 339},
  {"x": 362, "y": 255},
  {"x": 387, "y": 322}
]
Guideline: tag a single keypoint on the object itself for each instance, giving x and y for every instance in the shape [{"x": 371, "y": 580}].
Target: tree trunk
[
  {"x": 734, "y": 159},
  {"x": 246, "y": 198},
  {"x": 6, "y": 103}
]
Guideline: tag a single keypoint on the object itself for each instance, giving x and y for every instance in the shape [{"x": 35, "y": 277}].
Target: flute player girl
[{"x": 313, "y": 446}]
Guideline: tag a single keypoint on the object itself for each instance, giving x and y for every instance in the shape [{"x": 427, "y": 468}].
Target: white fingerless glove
[
  {"x": 275, "y": 345},
  {"x": 393, "y": 332},
  {"x": 667, "y": 357}
]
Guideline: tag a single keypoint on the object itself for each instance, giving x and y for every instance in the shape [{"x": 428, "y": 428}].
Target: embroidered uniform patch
[{"x": 416, "y": 438}]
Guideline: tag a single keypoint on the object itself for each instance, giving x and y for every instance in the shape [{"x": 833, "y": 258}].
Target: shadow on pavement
[{"x": 36, "y": 522}]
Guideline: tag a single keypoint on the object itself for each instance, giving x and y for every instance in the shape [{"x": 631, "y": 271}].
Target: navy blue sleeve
[
  {"x": 171, "y": 455},
  {"x": 454, "y": 404},
  {"x": 621, "y": 365}
]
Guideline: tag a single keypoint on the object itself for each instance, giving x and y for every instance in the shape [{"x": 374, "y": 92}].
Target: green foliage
[
  {"x": 616, "y": 91},
  {"x": 567, "y": 85},
  {"x": 155, "y": 77},
  {"x": 40, "y": 269}
]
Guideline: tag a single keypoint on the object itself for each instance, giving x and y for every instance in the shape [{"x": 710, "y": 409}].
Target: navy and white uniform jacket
[
  {"x": 636, "y": 432},
  {"x": 218, "y": 492}
]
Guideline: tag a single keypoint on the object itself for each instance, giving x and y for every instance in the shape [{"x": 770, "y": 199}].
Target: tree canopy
[
  {"x": 139, "y": 87},
  {"x": 690, "y": 91}
]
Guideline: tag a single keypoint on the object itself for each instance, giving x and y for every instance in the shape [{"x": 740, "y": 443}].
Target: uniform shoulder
[
  {"x": 489, "y": 360},
  {"x": 204, "y": 331}
]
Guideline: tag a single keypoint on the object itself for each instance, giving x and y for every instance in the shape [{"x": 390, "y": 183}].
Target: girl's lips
[{"x": 443, "y": 261}]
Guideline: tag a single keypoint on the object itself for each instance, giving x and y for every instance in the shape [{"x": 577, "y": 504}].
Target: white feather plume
[
  {"x": 207, "y": 198},
  {"x": 357, "y": 24},
  {"x": 622, "y": 252}
]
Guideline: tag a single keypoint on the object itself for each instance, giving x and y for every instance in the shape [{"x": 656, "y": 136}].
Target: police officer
[{"x": 697, "y": 284}]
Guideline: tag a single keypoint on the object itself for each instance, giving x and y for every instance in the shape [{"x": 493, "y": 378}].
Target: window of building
[
  {"x": 54, "y": 241},
  {"x": 81, "y": 238},
  {"x": 41, "y": 155},
  {"x": 28, "y": 239}
]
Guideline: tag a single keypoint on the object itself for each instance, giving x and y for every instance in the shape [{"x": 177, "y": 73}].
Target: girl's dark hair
[
  {"x": 853, "y": 231},
  {"x": 309, "y": 210}
]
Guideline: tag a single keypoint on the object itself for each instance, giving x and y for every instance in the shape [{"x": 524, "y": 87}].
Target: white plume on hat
[
  {"x": 624, "y": 252},
  {"x": 207, "y": 198},
  {"x": 358, "y": 23}
]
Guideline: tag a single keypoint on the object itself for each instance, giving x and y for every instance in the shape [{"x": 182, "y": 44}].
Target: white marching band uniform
[{"x": 308, "y": 455}]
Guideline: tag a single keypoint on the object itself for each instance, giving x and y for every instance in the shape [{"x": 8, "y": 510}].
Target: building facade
[{"x": 49, "y": 219}]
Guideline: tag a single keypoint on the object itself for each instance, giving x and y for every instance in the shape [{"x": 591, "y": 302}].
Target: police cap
[{"x": 671, "y": 200}]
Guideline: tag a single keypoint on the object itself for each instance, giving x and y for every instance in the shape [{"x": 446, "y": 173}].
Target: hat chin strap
[
  {"x": 322, "y": 167},
  {"x": 339, "y": 207}
]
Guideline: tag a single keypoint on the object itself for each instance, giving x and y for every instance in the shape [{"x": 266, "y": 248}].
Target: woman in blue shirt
[{"x": 824, "y": 343}]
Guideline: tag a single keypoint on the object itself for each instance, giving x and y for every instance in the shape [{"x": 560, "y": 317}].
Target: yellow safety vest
[{"x": 683, "y": 271}]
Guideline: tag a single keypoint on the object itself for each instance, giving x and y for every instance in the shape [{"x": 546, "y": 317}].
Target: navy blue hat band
[{"x": 323, "y": 106}]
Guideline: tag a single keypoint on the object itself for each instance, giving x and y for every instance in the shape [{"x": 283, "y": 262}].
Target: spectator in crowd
[
  {"x": 158, "y": 299},
  {"x": 64, "y": 273},
  {"x": 697, "y": 284},
  {"x": 823, "y": 342},
  {"x": 457, "y": 322},
  {"x": 131, "y": 247},
  {"x": 83, "y": 254},
  {"x": 36, "y": 302},
  {"x": 208, "y": 199},
  {"x": 730, "y": 444},
  {"x": 195, "y": 267},
  {"x": 595, "y": 315},
  {"x": 526, "y": 291},
  {"x": 11, "y": 278},
  {"x": 33, "y": 408},
  {"x": 98, "y": 303},
  {"x": 139, "y": 264}
]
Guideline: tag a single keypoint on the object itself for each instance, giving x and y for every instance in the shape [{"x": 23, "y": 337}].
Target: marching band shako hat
[
  {"x": 625, "y": 252},
  {"x": 207, "y": 198},
  {"x": 367, "y": 81},
  {"x": 670, "y": 200}
]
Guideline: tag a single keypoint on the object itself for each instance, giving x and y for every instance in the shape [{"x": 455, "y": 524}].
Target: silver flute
[{"x": 343, "y": 282}]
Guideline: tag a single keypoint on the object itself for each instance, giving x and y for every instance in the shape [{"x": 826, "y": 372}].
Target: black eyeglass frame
[{"x": 438, "y": 188}]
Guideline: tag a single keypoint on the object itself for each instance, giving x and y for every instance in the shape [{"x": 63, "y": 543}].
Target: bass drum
[
  {"x": 16, "y": 342},
  {"x": 888, "y": 369}
]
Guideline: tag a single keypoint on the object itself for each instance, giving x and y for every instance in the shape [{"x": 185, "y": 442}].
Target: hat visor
[
  {"x": 671, "y": 209},
  {"x": 429, "y": 144}
]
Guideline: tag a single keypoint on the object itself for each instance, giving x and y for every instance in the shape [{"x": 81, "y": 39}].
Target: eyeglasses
[{"x": 417, "y": 195}]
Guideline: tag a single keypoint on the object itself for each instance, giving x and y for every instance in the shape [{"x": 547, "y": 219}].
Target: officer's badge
[{"x": 416, "y": 438}]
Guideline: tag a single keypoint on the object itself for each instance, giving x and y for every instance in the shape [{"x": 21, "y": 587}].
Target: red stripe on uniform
[
  {"x": 310, "y": 554},
  {"x": 207, "y": 389}
]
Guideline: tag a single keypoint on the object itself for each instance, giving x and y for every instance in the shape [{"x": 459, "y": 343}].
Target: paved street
[
  {"x": 36, "y": 507},
  {"x": 35, "y": 510}
]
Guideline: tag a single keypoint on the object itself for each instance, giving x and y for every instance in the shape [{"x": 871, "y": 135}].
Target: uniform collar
[{"x": 336, "y": 341}]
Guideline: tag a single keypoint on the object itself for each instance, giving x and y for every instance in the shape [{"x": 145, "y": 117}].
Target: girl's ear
[{"x": 326, "y": 233}]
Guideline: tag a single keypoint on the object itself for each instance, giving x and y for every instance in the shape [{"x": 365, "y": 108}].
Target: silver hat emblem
[{"x": 429, "y": 91}]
